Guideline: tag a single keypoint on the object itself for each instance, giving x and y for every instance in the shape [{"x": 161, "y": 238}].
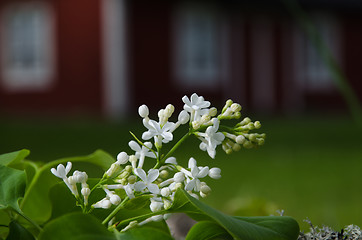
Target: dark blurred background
[{"x": 73, "y": 72}]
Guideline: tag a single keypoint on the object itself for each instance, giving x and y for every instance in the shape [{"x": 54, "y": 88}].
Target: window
[
  {"x": 197, "y": 46},
  {"x": 313, "y": 73},
  {"x": 27, "y": 51}
]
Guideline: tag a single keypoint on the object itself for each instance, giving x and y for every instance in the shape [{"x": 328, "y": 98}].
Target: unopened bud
[
  {"x": 122, "y": 158},
  {"x": 212, "y": 111},
  {"x": 132, "y": 179},
  {"x": 115, "y": 199},
  {"x": 165, "y": 192},
  {"x": 143, "y": 111},
  {"x": 235, "y": 107},
  {"x": 257, "y": 124},
  {"x": 215, "y": 173},
  {"x": 240, "y": 139},
  {"x": 164, "y": 174}
]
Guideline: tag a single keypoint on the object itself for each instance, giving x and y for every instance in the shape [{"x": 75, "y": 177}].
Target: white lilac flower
[
  {"x": 156, "y": 205},
  {"x": 112, "y": 196},
  {"x": 142, "y": 152},
  {"x": 196, "y": 105},
  {"x": 196, "y": 173},
  {"x": 129, "y": 189},
  {"x": 104, "y": 203},
  {"x": 212, "y": 138},
  {"x": 122, "y": 158},
  {"x": 161, "y": 134},
  {"x": 147, "y": 180},
  {"x": 62, "y": 172},
  {"x": 215, "y": 173},
  {"x": 143, "y": 111}
]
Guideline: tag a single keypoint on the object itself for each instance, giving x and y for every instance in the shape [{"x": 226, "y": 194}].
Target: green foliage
[
  {"x": 12, "y": 187},
  {"x": 47, "y": 201},
  {"x": 75, "y": 226},
  {"x": 17, "y": 231},
  {"x": 253, "y": 228}
]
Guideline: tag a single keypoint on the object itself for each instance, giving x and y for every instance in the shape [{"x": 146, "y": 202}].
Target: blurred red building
[{"x": 107, "y": 56}]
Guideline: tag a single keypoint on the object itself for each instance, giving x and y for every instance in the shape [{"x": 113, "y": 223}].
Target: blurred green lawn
[{"x": 309, "y": 166}]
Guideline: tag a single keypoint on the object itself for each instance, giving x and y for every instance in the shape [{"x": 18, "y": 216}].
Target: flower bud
[
  {"x": 113, "y": 170},
  {"x": 105, "y": 204},
  {"x": 132, "y": 179},
  {"x": 164, "y": 174},
  {"x": 257, "y": 124},
  {"x": 85, "y": 191},
  {"x": 236, "y": 147},
  {"x": 215, "y": 173},
  {"x": 235, "y": 107},
  {"x": 240, "y": 139},
  {"x": 165, "y": 192},
  {"x": 143, "y": 111},
  {"x": 115, "y": 199},
  {"x": 205, "y": 189},
  {"x": 122, "y": 158},
  {"x": 156, "y": 206},
  {"x": 167, "y": 204},
  {"x": 212, "y": 112},
  {"x": 179, "y": 177}
]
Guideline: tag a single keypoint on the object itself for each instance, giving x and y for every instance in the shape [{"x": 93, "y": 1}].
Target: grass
[{"x": 309, "y": 166}]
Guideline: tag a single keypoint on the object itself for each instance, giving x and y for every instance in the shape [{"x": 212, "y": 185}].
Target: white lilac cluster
[{"x": 128, "y": 175}]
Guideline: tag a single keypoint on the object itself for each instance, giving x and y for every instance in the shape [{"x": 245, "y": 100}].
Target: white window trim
[
  {"x": 39, "y": 78},
  {"x": 317, "y": 77},
  {"x": 187, "y": 76}
]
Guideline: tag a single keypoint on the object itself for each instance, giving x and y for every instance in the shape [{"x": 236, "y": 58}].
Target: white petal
[
  {"x": 190, "y": 185},
  {"x": 192, "y": 163},
  {"x": 141, "y": 173},
  {"x": 219, "y": 137},
  {"x": 153, "y": 188},
  {"x": 167, "y": 136},
  {"x": 61, "y": 171},
  {"x": 152, "y": 175},
  {"x": 171, "y": 160},
  {"x": 139, "y": 186},
  {"x": 134, "y": 146},
  {"x": 147, "y": 135},
  {"x": 54, "y": 171},
  {"x": 195, "y": 171},
  {"x": 204, "y": 171},
  {"x": 68, "y": 167}
]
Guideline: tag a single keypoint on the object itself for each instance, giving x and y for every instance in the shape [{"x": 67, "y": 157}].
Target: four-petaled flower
[
  {"x": 61, "y": 171},
  {"x": 147, "y": 180},
  {"x": 196, "y": 105},
  {"x": 212, "y": 138},
  {"x": 159, "y": 133},
  {"x": 196, "y": 173}
]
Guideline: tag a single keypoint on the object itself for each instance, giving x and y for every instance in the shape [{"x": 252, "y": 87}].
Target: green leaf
[
  {"x": 13, "y": 157},
  {"x": 17, "y": 231},
  {"x": 75, "y": 226},
  {"x": 36, "y": 203},
  {"x": 144, "y": 233},
  {"x": 12, "y": 187},
  {"x": 246, "y": 228},
  {"x": 206, "y": 230}
]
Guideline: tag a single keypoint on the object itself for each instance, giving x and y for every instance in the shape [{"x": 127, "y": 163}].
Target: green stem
[
  {"x": 28, "y": 219},
  {"x": 115, "y": 211},
  {"x": 173, "y": 149}
]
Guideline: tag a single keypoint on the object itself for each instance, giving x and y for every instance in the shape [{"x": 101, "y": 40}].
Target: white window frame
[
  {"x": 189, "y": 50},
  {"x": 38, "y": 27},
  {"x": 312, "y": 73}
]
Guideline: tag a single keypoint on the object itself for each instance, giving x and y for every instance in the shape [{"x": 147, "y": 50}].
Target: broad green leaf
[
  {"x": 206, "y": 230},
  {"x": 17, "y": 231},
  {"x": 36, "y": 203},
  {"x": 75, "y": 226},
  {"x": 138, "y": 202},
  {"x": 246, "y": 228},
  {"x": 13, "y": 157},
  {"x": 144, "y": 233},
  {"x": 12, "y": 187}
]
